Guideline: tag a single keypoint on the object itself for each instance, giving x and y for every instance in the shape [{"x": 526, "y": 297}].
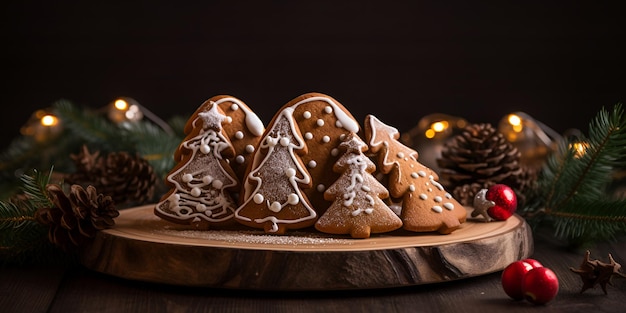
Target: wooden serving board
[{"x": 143, "y": 247}]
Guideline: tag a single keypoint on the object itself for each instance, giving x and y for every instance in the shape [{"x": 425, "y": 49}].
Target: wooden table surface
[{"x": 76, "y": 289}]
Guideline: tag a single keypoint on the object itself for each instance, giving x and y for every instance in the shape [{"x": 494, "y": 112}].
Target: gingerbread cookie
[
  {"x": 202, "y": 180},
  {"x": 272, "y": 196},
  {"x": 426, "y": 206},
  {"x": 357, "y": 207},
  {"x": 323, "y": 121}
]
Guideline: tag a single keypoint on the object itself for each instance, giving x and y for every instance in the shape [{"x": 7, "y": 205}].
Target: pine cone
[
  {"x": 479, "y": 155},
  {"x": 126, "y": 178},
  {"x": 74, "y": 220}
]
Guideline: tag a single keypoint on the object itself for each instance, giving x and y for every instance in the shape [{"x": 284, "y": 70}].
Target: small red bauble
[
  {"x": 498, "y": 202},
  {"x": 513, "y": 275},
  {"x": 540, "y": 285},
  {"x": 505, "y": 202}
]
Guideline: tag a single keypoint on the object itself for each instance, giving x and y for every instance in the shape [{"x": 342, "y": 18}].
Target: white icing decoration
[
  {"x": 258, "y": 198},
  {"x": 205, "y": 149},
  {"x": 320, "y": 122},
  {"x": 195, "y": 191},
  {"x": 366, "y": 188},
  {"x": 438, "y": 199},
  {"x": 284, "y": 141},
  {"x": 412, "y": 188},
  {"x": 326, "y": 139},
  {"x": 321, "y": 187},
  {"x": 308, "y": 136},
  {"x": 234, "y": 107},
  {"x": 249, "y": 148},
  {"x": 275, "y": 206},
  {"x": 436, "y": 184},
  {"x": 342, "y": 137},
  {"x": 400, "y": 155},
  {"x": 437, "y": 209},
  {"x": 240, "y": 159},
  {"x": 414, "y": 175},
  {"x": 448, "y": 206},
  {"x": 448, "y": 196},
  {"x": 239, "y": 135},
  {"x": 290, "y": 172},
  {"x": 217, "y": 184},
  {"x": 338, "y": 124},
  {"x": 312, "y": 164},
  {"x": 206, "y": 179},
  {"x": 328, "y": 109},
  {"x": 187, "y": 178},
  {"x": 201, "y": 207},
  {"x": 421, "y": 173},
  {"x": 306, "y": 114},
  {"x": 253, "y": 122},
  {"x": 345, "y": 121},
  {"x": 423, "y": 196},
  {"x": 334, "y": 152},
  {"x": 293, "y": 199}
]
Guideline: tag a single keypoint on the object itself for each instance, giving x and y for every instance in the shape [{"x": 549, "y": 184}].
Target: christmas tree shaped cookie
[
  {"x": 357, "y": 208},
  {"x": 202, "y": 179},
  {"x": 323, "y": 121},
  {"x": 272, "y": 196},
  {"x": 426, "y": 206}
]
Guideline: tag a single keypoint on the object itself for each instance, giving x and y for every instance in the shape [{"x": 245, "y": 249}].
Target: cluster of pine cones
[{"x": 97, "y": 187}]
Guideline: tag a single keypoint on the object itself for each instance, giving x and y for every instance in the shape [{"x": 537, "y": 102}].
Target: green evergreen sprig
[
  {"x": 82, "y": 126},
  {"x": 571, "y": 194},
  {"x": 22, "y": 238}
]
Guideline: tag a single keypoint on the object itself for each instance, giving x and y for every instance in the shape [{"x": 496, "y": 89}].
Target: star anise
[{"x": 596, "y": 272}]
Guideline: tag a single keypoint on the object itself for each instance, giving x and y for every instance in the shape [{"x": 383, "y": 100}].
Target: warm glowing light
[
  {"x": 580, "y": 148},
  {"x": 49, "y": 120},
  {"x": 516, "y": 122},
  {"x": 439, "y": 126},
  {"x": 121, "y": 104},
  {"x": 429, "y": 133},
  {"x": 515, "y": 119}
]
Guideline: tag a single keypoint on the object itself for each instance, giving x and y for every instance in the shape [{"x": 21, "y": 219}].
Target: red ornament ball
[
  {"x": 513, "y": 276},
  {"x": 505, "y": 201},
  {"x": 540, "y": 285}
]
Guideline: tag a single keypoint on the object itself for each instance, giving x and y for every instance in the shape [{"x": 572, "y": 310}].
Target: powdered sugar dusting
[{"x": 294, "y": 238}]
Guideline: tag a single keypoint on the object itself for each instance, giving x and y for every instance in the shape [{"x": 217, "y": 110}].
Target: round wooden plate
[{"x": 143, "y": 247}]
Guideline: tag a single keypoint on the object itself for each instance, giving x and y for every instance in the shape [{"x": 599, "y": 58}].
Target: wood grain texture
[
  {"x": 29, "y": 288},
  {"x": 145, "y": 248}
]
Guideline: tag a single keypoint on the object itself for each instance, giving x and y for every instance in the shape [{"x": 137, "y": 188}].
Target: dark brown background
[{"x": 400, "y": 61}]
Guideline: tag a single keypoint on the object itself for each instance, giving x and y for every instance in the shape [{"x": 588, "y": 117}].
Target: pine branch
[
  {"x": 91, "y": 128},
  {"x": 572, "y": 191},
  {"x": 153, "y": 144},
  {"x": 22, "y": 238}
]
